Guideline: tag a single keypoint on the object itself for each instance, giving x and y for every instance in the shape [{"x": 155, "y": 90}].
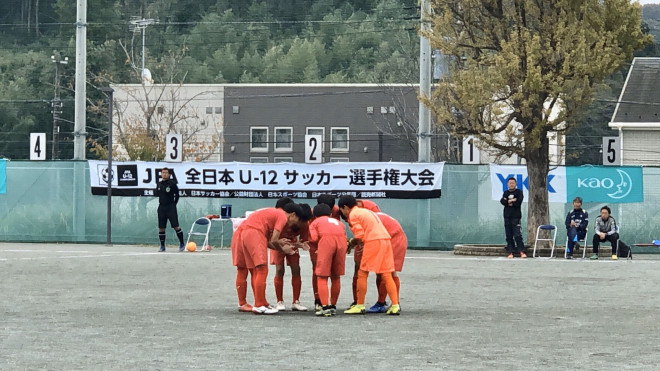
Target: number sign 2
[{"x": 313, "y": 149}]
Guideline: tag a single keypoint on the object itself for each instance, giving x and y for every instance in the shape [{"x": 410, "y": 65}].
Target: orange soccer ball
[{"x": 192, "y": 247}]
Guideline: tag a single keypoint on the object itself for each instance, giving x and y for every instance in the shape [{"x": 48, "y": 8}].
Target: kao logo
[
  {"x": 621, "y": 189},
  {"x": 523, "y": 182}
]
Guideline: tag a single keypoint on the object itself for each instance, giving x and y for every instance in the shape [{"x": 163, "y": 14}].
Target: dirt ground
[{"x": 84, "y": 307}]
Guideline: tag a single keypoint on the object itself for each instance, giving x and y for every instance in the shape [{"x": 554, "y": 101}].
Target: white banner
[
  {"x": 500, "y": 173},
  {"x": 275, "y": 180}
]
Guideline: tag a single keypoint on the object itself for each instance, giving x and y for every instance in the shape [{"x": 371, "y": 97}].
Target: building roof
[{"x": 639, "y": 102}]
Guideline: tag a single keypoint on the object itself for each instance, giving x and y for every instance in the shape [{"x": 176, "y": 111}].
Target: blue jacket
[{"x": 580, "y": 217}]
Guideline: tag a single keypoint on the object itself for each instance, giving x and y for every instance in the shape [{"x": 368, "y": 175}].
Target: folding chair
[
  {"x": 584, "y": 250},
  {"x": 552, "y": 230},
  {"x": 203, "y": 226}
]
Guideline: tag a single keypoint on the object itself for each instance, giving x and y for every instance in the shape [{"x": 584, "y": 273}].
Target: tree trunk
[
  {"x": 36, "y": 17},
  {"x": 537, "y": 173}
]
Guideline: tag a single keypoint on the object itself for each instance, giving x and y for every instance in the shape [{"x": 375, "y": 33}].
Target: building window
[
  {"x": 209, "y": 110},
  {"x": 318, "y": 131},
  {"x": 259, "y": 160},
  {"x": 218, "y": 110},
  {"x": 338, "y": 139},
  {"x": 283, "y": 159},
  {"x": 259, "y": 139},
  {"x": 339, "y": 159},
  {"x": 283, "y": 139}
]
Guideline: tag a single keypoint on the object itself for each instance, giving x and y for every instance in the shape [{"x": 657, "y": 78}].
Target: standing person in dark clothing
[
  {"x": 576, "y": 226},
  {"x": 512, "y": 199},
  {"x": 168, "y": 196}
]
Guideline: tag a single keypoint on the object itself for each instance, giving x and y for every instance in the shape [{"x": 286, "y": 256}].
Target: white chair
[
  {"x": 552, "y": 231},
  {"x": 584, "y": 249},
  {"x": 200, "y": 227}
]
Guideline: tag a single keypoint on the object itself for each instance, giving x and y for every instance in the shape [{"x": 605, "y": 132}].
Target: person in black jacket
[
  {"x": 512, "y": 199},
  {"x": 576, "y": 226},
  {"x": 168, "y": 196}
]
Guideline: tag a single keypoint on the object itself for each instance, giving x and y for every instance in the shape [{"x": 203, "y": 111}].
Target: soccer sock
[
  {"x": 241, "y": 285},
  {"x": 322, "y": 283},
  {"x": 397, "y": 282},
  {"x": 362, "y": 286},
  {"x": 391, "y": 288},
  {"x": 260, "y": 286},
  {"x": 315, "y": 286},
  {"x": 161, "y": 237},
  {"x": 382, "y": 290},
  {"x": 355, "y": 283},
  {"x": 179, "y": 234},
  {"x": 252, "y": 277},
  {"x": 296, "y": 283},
  {"x": 334, "y": 290},
  {"x": 279, "y": 287}
]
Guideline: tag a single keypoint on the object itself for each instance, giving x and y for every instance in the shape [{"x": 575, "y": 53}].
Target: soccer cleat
[
  {"x": 162, "y": 248},
  {"x": 182, "y": 248},
  {"x": 594, "y": 257},
  {"x": 298, "y": 307},
  {"x": 394, "y": 310},
  {"x": 614, "y": 257},
  {"x": 510, "y": 256},
  {"x": 264, "y": 310},
  {"x": 245, "y": 308},
  {"x": 378, "y": 308},
  {"x": 280, "y": 305},
  {"x": 333, "y": 309},
  {"x": 356, "y": 309},
  {"x": 523, "y": 255},
  {"x": 317, "y": 304}
]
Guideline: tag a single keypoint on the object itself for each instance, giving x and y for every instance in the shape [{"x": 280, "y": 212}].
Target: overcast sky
[{"x": 649, "y": 2}]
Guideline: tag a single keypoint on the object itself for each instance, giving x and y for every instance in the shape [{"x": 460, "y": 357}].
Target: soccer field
[{"x": 88, "y": 307}]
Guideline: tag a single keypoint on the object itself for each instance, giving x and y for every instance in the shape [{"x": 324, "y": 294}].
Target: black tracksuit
[
  {"x": 168, "y": 196},
  {"x": 512, "y": 216}
]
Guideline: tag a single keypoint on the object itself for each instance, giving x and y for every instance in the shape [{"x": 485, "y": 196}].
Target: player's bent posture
[
  {"x": 168, "y": 196},
  {"x": 399, "y": 248},
  {"x": 261, "y": 231},
  {"x": 277, "y": 259},
  {"x": 238, "y": 260},
  {"x": 376, "y": 255},
  {"x": 330, "y": 236}
]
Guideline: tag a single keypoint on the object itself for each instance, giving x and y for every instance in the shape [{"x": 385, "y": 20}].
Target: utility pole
[
  {"x": 56, "y": 104},
  {"x": 424, "y": 135},
  {"x": 136, "y": 24},
  {"x": 79, "y": 131},
  {"x": 111, "y": 174}
]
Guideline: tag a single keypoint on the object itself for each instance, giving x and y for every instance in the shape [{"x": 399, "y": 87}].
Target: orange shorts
[
  {"x": 331, "y": 257},
  {"x": 377, "y": 256},
  {"x": 237, "y": 256},
  {"x": 255, "y": 247},
  {"x": 278, "y": 257},
  {"x": 399, "y": 248}
]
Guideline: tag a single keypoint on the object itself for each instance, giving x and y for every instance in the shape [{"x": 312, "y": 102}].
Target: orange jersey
[
  {"x": 325, "y": 227},
  {"x": 369, "y": 205},
  {"x": 391, "y": 225},
  {"x": 366, "y": 225},
  {"x": 335, "y": 213},
  {"x": 266, "y": 220}
]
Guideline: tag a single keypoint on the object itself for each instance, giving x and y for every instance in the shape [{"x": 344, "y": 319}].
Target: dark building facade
[{"x": 358, "y": 122}]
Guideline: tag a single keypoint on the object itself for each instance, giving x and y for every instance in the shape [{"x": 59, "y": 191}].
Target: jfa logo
[
  {"x": 523, "y": 182},
  {"x": 620, "y": 189}
]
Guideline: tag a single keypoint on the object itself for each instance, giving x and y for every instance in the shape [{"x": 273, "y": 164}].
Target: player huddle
[{"x": 379, "y": 246}]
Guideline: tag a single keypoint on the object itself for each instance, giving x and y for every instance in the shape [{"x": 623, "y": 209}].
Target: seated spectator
[
  {"x": 607, "y": 230},
  {"x": 576, "y": 226}
]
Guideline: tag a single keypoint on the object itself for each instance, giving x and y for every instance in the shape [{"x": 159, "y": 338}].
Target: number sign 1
[
  {"x": 612, "y": 151},
  {"x": 313, "y": 149},
  {"x": 470, "y": 151},
  {"x": 174, "y": 148},
  {"x": 37, "y": 146}
]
